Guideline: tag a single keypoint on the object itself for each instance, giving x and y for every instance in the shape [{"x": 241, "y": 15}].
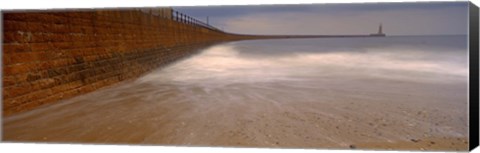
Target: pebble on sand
[{"x": 415, "y": 140}]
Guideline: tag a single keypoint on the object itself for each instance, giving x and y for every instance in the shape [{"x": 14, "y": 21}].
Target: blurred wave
[{"x": 415, "y": 58}]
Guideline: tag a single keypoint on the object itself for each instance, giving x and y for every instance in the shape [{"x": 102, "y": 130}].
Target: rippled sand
[{"x": 258, "y": 106}]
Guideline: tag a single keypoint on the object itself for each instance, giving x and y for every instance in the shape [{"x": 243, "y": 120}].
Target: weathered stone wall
[{"x": 50, "y": 56}]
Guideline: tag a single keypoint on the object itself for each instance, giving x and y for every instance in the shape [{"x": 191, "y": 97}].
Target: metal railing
[
  {"x": 183, "y": 18},
  {"x": 179, "y": 17}
]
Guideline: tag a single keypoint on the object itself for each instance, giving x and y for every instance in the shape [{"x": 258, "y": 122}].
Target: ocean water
[
  {"x": 322, "y": 92},
  {"x": 410, "y": 58}
]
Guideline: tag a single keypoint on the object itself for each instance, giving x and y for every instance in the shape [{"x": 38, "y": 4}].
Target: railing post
[
  {"x": 176, "y": 16},
  {"x": 184, "y": 18},
  {"x": 181, "y": 18}
]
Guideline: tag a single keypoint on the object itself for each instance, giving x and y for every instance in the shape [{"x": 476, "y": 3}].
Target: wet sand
[{"x": 361, "y": 117}]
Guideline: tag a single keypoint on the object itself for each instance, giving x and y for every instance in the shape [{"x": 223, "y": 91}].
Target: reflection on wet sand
[{"x": 378, "y": 98}]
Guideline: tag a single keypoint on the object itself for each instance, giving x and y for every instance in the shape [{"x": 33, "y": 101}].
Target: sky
[{"x": 425, "y": 18}]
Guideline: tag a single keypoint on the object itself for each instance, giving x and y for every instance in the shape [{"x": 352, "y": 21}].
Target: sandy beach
[
  {"x": 341, "y": 119},
  {"x": 262, "y": 104}
]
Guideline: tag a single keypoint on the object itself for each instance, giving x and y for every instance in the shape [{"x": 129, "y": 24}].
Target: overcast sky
[{"x": 397, "y": 18}]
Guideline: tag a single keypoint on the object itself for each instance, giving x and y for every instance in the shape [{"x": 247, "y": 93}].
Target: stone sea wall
[{"x": 53, "y": 55}]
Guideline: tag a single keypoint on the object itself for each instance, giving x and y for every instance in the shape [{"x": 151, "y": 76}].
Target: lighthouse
[
  {"x": 380, "y": 29},
  {"x": 380, "y": 32}
]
